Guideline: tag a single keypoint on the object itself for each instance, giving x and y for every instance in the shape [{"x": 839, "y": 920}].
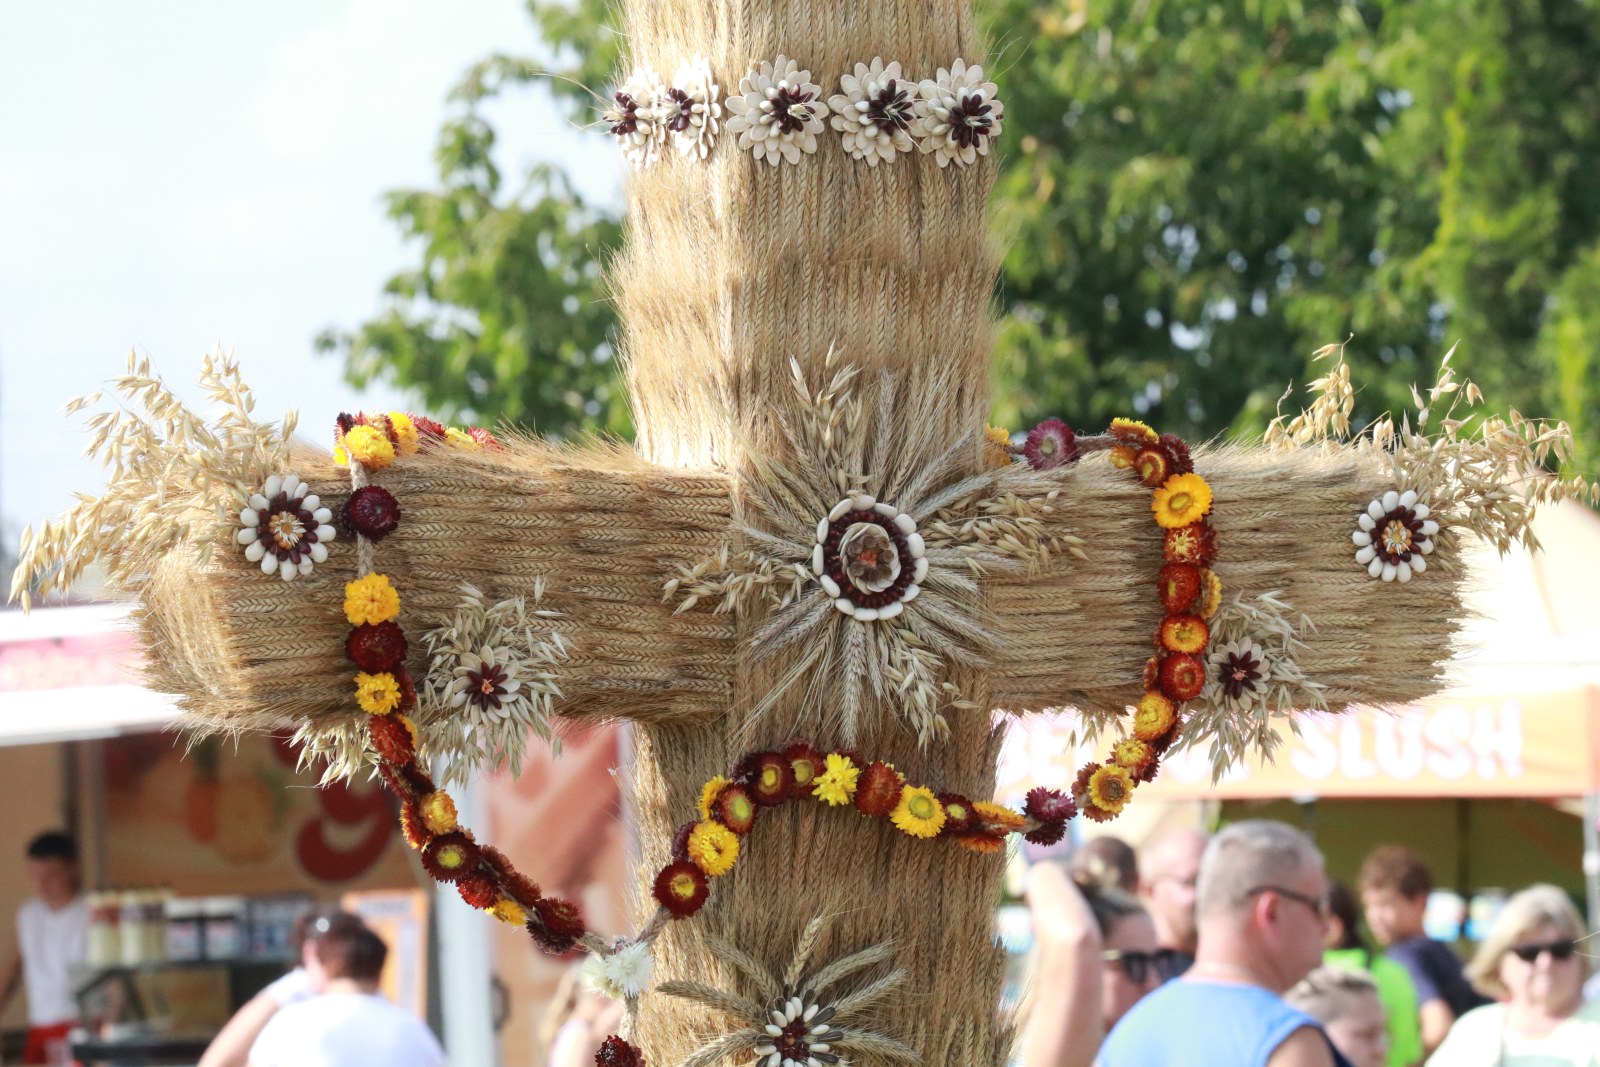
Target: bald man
[
  {"x": 1262, "y": 915},
  {"x": 1169, "y": 868}
]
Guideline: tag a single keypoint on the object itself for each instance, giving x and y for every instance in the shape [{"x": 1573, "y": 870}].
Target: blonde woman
[
  {"x": 1533, "y": 962},
  {"x": 1347, "y": 1005}
]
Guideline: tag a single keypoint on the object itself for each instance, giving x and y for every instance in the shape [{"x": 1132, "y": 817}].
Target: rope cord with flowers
[{"x": 1190, "y": 594}]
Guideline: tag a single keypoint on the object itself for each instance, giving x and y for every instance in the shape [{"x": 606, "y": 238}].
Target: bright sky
[{"x": 175, "y": 175}]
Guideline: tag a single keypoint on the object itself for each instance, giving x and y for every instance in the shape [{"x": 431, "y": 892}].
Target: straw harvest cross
[{"x": 807, "y": 352}]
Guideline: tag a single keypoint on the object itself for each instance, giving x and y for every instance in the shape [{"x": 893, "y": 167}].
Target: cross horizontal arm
[
  {"x": 598, "y": 528},
  {"x": 1079, "y": 634}
]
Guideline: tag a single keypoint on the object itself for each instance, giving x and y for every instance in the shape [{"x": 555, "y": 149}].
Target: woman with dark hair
[
  {"x": 231, "y": 1046},
  {"x": 1346, "y": 948}
]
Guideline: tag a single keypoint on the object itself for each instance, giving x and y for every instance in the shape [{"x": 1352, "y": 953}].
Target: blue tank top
[{"x": 1194, "y": 1023}]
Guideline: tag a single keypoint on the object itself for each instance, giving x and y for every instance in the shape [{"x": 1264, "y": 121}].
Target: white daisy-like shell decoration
[
  {"x": 1394, "y": 536},
  {"x": 869, "y": 558},
  {"x": 1239, "y": 672},
  {"x": 691, "y": 108},
  {"x": 635, "y": 116},
  {"x": 876, "y": 112},
  {"x": 778, "y": 112},
  {"x": 285, "y": 529},
  {"x": 798, "y": 1031},
  {"x": 621, "y": 974},
  {"x": 485, "y": 685},
  {"x": 960, "y": 114}
]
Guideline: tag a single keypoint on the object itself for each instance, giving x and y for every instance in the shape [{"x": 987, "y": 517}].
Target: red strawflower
[
  {"x": 1047, "y": 833},
  {"x": 958, "y": 813},
  {"x": 485, "y": 438},
  {"x": 1080, "y": 785},
  {"x": 615, "y": 1052},
  {"x": 770, "y": 777},
  {"x": 376, "y": 649},
  {"x": 1153, "y": 467},
  {"x": 1184, "y": 633},
  {"x": 478, "y": 889},
  {"x": 1152, "y": 674},
  {"x": 1178, "y": 585},
  {"x": 390, "y": 737},
  {"x": 1099, "y": 814},
  {"x": 878, "y": 789},
  {"x": 1148, "y": 772},
  {"x": 1049, "y": 805},
  {"x": 556, "y": 925},
  {"x": 1177, "y": 451},
  {"x": 1183, "y": 676},
  {"x": 451, "y": 857},
  {"x": 411, "y": 824},
  {"x": 408, "y": 688},
  {"x": 805, "y": 763},
  {"x": 1195, "y": 543},
  {"x": 1050, "y": 444},
  {"x": 735, "y": 809},
  {"x": 681, "y": 888},
  {"x": 372, "y": 511},
  {"x": 427, "y": 427}
]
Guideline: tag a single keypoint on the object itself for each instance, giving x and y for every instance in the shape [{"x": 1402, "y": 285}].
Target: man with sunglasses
[{"x": 1261, "y": 907}]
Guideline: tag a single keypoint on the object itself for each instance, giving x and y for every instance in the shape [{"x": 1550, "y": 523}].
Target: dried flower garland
[
  {"x": 791, "y": 1019},
  {"x": 876, "y": 112},
  {"x": 1189, "y": 590},
  {"x": 778, "y": 112},
  {"x": 286, "y": 529}
]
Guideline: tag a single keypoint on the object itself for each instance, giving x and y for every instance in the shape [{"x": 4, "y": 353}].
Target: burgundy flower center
[
  {"x": 970, "y": 121},
  {"x": 792, "y": 1043},
  {"x": 683, "y": 113},
  {"x": 889, "y": 110},
  {"x": 791, "y": 109},
  {"x": 1398, "y": 533},
  {"x": 486, "y": 686},
  {"x": 1239, "y": 673},
  {"x": 625, "y": 116}
]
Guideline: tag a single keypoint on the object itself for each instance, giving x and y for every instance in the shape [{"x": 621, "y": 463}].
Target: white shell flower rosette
[
  {"x": 285, "y": 528},
  {"x": 778, "y": 112},
  {"x": 869, "y": 558},
  {"x": 960, "y": 114},
  {"x": 691, "y": 108},
  {"x": 636, "y": 114},
  {"x": 1394, "y": 536},
  {"x": 876, "y": 112}
]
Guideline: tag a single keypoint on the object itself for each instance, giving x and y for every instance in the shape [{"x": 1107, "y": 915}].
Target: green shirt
[{"x": 1399, "y": 998}]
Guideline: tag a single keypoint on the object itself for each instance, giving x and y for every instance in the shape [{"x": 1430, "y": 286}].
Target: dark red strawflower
[
  {"x": 1049, "y": 805},
  {"x": 1152, "y": 674},
  {"x": 1047, "y": 833},
  {"x": 479, "y": 890},
  {"x": 681, "y": 888},
  {"x": 1178, "y": 584},
  {"x": 411, "y": 825},
  {"x": 556, "y": 925},
  {"x": 518, "y": 886},
  {"x": 390, "y": 739},
  {"x": 372, "y": 511},
  {"x": 376, "y": 649},
  {"x": 958, "y": 813},
  {"x": 770, "y": 778},
  {"x": 615, "y": 1052},
  {"x": 736, "y": 809},
  {"x": 1177, "y": 453},
  {"x": 1154, "y": 467},
  {"x": 805, "y": 763},
  {"x": 343, "y": 424},
  {"x": 451, "y": 857},
  {"x": 408, "y": 688},
  {"x": 390, "y": 773},
  {"x": 1148, "y": 772},
  {"x": 1050, "y": 444},
  {"x": 878, "y": 789}
]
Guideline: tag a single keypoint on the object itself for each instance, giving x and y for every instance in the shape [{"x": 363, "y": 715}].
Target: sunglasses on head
[
  {"x": 1563, "y": 949},
  {"x": 1165, "y": 962}
]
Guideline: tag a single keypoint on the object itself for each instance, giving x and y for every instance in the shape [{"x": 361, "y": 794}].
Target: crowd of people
[{"x": 1238, "y": 950}]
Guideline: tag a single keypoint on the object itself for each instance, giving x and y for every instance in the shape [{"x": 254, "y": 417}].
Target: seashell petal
[
  {"x": 1361, "y": 537},
  {"x": 1391, "y": 500},
  {"x": 250, "y": 517},
  {"x": 258, "y": 503},
  {"x": 890, "y": 611},
  {"x": 268, "y": 564},
  {"x": 319, "y": 553},
  {"x": 840, "y": 510},
  {"x": 273, "y": 487},
  {"x": 254, "y": 551},
  {"x": 1366, "y": 554},
  {"x": 247, "y": 536},
  {"x": 906, "y": 523},
  {"x": 921, "y": 570},
  {"x": 1367, "y": 522},
  {"x": 829, "y": 586},
  {"x": 1408, "y": 498}
]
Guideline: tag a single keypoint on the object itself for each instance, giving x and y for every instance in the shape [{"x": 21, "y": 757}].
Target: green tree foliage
[{"x": 1193, "y": 197}]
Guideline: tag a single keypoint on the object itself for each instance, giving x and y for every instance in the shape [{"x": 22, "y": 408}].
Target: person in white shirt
[
  {"x": 349, "y": 1023},
  {"x": 52, "y": 947},
  {"x": 231, "y": 1046}
]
